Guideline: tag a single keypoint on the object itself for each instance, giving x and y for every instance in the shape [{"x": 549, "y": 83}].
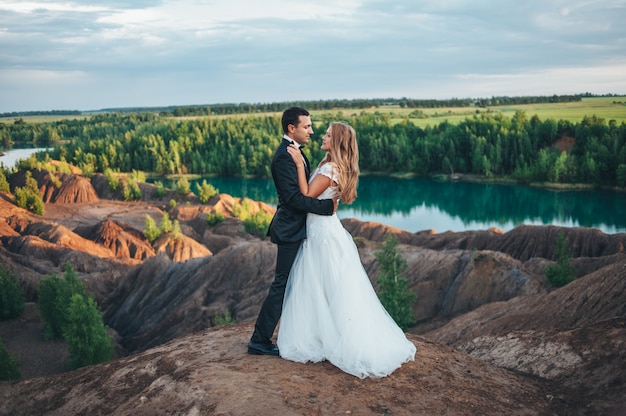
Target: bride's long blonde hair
[{"x": 344, "y": 153}]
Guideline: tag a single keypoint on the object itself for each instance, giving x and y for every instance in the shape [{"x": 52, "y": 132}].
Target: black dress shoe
[{"x": 256, "y": 348}]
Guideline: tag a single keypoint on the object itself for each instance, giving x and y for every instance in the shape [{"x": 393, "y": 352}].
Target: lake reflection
[{"x": 422, "y": 204}]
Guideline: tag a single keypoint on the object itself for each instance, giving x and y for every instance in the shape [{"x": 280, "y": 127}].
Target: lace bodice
[{"x": 327, "y": 170}]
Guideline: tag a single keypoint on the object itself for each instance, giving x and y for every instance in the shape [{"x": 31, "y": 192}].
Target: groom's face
[{"x": 301, "y": 133}]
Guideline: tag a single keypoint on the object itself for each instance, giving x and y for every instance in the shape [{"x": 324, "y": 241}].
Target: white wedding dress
[{"x": 330, "y": 310}]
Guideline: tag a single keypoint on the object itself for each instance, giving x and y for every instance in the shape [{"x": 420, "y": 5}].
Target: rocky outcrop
[
  {"x": 451, "y": 282},
  {"x": 122, "y": 239},
  {"x": 586, "y": 301},
  {"x": 180, "y": 248},
  {"x": 209, "y": 372},
  {"x": 161, "y": 299},
  {"x": 574, "y": 337},
  {"x": 61, "y": 236},
  {"x": 73, "y": 189},
  {"x": 523, "y": 242},
  {"x": 58, "y": 187}
]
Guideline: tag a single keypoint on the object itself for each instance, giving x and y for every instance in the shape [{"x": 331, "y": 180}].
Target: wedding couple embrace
[{"x": 327, "y": 307}]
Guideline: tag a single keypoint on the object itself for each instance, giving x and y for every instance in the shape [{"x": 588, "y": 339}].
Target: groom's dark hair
[{"x": 292, "y": 116}]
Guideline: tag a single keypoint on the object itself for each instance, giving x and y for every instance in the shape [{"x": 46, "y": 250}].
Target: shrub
[
  {"x": 223, "y": 319},
  {"x": 182, "y": 186},
  {"x": 159, "y": 190},
  {"x": 86, "y": 336},
  {"x": 11, "y": 296},
  {"x": 176, "y": 233},
  {"x": 562, "y": 272},
  {"x": 258, "y": 224},
  {"x": 137, "y": 176},
  {"x": 205, "y": 191},
  {"x": 166, "y": 223},
  {"x": 151, "y": 231},
  {"x": 131, "y": 190},
  {"x": 27, "y": 200},
  {"x": 213, "y": 218},
  {"x": 394, "y": 292},
  {"x": 28, "y": 196},
  {"x": 173, "y": 203},
  {"x": 112, "y": 179},
  {"x": 87, "y": 168},
  {"x": 55, "y": 180},
  {"x": 4, "y": 184},
  {"x": 8, "y": 365},
  {"x": 242, "y": 209}
]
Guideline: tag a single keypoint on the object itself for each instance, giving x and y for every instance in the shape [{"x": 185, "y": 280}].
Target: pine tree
[
  {"x": 562, "y": 272},
  {"x": 4, "y": 184},
  {"x": 86, "y": 336},
  {"x": 394, "y": 292},
  {"x": 11, "y": 296},
  {"x": 55, "y": 295},
  {"x": 8, "y": 365},
  {"x": 151, "y": 231}
]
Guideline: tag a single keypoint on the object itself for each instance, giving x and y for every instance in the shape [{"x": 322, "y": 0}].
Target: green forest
[{"x": 522, "y": 148}]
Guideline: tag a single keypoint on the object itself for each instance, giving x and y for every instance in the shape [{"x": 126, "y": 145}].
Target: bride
[{"x": 330, "y": 310}]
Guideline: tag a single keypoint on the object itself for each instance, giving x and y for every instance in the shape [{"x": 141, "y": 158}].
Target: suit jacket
[{"x": 289, "y": 222}]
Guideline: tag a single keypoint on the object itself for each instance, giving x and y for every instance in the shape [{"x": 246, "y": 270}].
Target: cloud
[{"x": 94, "y": 54}]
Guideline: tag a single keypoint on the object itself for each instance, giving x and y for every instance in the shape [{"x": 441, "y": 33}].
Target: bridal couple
[{"x": 327, "y": 307}]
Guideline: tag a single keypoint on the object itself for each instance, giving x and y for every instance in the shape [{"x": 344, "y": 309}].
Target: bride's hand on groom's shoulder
[{"x": 295, "y": 154}]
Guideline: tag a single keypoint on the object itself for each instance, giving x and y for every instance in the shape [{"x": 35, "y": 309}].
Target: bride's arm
[{"x": 319, "y": 183}]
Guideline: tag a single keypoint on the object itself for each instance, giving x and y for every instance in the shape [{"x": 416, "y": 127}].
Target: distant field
[
  {"x": 607, "y": 108},
  {"x": 41, "y": 119}
]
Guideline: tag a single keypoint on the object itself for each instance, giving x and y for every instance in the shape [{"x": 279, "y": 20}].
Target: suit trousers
[{"x": 273, "y": 305}]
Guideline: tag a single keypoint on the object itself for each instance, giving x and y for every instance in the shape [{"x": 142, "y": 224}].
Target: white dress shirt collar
[{"x": 289, "y": 139}]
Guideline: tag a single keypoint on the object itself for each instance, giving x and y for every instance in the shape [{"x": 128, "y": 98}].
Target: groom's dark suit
[{"x": 287, "y": 230}]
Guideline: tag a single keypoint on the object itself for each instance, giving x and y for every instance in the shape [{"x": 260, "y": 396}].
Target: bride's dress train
[{"x": 331, "y": 312}]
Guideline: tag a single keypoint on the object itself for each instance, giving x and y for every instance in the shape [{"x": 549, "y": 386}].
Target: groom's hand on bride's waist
[{"x": 336, "y": 200}]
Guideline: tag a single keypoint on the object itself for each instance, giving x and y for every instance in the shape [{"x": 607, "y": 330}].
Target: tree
[
  {"x": 621, "y": 175},
  {"x": 8, "y": 365},
  {"x": 131, "y": 190},
  {"x": 28, "y": 196},
  {"x": 68, "y": 312},
  {"x": 562, "y": 272},
  {"x": 394, "y": 292},
  {"x": 55, "y": 295},
  {"x": 11, "y": 296},
  {"x": 151, "y": 231},
  {"x": 166, "y": 223},
  {"x": 183, "y": 186},
  {"x": 86, "y": 336},
  {"x": 4, "y": 184},
  {"x": 205, "y": 191}
]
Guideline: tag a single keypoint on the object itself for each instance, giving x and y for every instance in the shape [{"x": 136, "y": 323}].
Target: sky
[{"x": 90, "y": 55}]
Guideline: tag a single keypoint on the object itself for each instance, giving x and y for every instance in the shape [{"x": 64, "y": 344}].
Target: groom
[{"x": 288, "y": 227}]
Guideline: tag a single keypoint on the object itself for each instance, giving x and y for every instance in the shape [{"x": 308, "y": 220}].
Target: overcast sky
[{"x": 88, "y": 55}]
